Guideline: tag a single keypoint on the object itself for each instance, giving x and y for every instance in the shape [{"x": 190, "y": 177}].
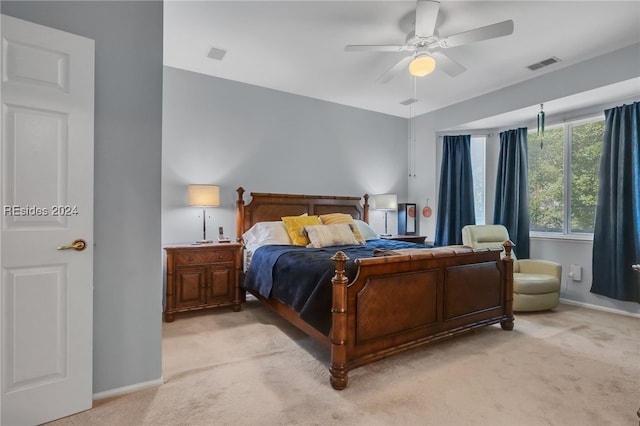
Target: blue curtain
[
  {"x": 455, "y": 204},
  {"x": 511, "y": 207},
  {"x": 616, "y": 236}
]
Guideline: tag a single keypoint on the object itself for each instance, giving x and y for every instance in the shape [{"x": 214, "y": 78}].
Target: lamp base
[
  {"x": 204, "y": 242},
  {"x": 385, "y": 235}
]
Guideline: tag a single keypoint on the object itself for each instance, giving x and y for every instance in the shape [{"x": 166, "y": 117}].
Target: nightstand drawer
[{"x": 199, "y": 258}]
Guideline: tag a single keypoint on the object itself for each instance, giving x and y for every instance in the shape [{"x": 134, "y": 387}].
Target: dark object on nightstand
[
  {"x": 202, "y": 276},
  {"x": 407, "y": 222}
]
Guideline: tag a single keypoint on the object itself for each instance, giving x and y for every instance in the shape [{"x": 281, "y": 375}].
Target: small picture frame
[{"x": 407, "y": 223}]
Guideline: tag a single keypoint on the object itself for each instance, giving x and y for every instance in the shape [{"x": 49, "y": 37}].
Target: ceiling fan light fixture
[{"x": 422, "y": 65}]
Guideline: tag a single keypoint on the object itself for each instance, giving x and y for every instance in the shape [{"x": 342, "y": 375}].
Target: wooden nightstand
[
  {"x": 202, "y": 276},
  {"x": 408, "y": 238}
]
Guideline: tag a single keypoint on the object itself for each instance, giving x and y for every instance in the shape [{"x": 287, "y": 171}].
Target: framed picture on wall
[{"x": 407, "y": 224}]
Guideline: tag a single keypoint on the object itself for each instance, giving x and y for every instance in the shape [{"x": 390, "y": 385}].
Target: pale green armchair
[{"x": 536, "y": 283}]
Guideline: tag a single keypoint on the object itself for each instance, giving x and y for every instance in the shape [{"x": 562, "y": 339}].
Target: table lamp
[
  {"x": 386, "y": 203},
  {"x": 204, "y": 196}
]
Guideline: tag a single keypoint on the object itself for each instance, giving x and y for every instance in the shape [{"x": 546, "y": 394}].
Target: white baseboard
[
  {"x": 599, "y": 308},
  {"x": 128, "y": 389}
]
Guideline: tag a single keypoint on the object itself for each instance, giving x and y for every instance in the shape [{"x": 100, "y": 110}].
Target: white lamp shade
[
  {"x": 384, "y": 202},
  {"x": 204, "y": 195},
  {"x": 422, "y": 65}
]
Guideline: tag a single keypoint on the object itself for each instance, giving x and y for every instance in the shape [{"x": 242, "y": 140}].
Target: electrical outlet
[{"x": 575, "y": 272}]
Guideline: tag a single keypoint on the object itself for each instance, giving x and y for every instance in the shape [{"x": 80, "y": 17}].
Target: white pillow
[
  {"x": 265, "y": 233},
  {"x": 330, "y": 235},
  {"x": 366, "y": 231}
]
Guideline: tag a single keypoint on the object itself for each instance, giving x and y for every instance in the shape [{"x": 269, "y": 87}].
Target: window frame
[{"x": 566, "y": 233}]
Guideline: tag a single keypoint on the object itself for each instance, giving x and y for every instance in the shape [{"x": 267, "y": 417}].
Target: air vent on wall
[
  {"x": 217, "y": 54},
  {"x": 409, "y": 101},
  {"x": 541, "y": 64}
]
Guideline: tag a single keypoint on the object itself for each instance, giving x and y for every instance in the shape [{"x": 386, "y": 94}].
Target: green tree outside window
[{"x": 558, "y": 205}]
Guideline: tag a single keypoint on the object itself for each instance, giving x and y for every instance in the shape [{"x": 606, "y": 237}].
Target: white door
[{"x": 46, "y": 167}]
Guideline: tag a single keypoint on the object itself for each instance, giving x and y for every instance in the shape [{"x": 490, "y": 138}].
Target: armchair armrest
[{"x": 537, "y": 266}]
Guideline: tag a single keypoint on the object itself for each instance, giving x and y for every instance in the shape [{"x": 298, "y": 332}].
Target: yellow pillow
[
  {"x": 338, "y": 218},
  {"x": 295, "y": 224}
]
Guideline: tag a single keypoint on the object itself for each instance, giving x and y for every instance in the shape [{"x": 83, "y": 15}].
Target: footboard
[{"x": 399, "y": 302}]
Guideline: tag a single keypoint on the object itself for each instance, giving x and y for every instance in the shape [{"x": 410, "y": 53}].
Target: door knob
[
  {"x": 78, "y": 245},
  {"x": 636, "y": 267}
]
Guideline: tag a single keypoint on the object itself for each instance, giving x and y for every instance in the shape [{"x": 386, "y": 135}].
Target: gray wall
[
  {"x": 232, "y": 134},
  {"x": 128, "y": 139},
  {"x": 620, "y": 65}
]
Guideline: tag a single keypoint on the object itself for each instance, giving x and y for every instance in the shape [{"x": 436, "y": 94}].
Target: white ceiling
[{"x": 298, "y": 46}]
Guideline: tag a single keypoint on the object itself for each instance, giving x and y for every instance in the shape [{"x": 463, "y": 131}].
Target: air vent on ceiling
[
  {"x": 217, "y": 54},
  {"x": 541, "y": 64},
  {"x": 409, "y": 101}
]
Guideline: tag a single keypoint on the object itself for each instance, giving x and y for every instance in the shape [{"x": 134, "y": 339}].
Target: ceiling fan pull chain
[{"x": 412, "y": 133}]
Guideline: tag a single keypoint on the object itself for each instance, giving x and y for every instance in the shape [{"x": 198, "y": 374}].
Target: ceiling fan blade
[
  {"x": 372, "y": 48},
  {"x": 483, "y": 33},
  {"x": 446, "y": 64},
  {"x": 426, "y": 17},
  {"x": 394, "y": 70}
]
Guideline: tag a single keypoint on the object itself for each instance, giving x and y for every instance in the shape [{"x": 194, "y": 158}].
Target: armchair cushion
[
  {"x": 535, "y": 283},
  {"x": 485, "y": 236},
  {"x": 538, "y": 266}
]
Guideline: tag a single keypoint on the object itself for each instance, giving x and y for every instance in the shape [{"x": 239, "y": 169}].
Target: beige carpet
[{"x": 573, "y": 366}]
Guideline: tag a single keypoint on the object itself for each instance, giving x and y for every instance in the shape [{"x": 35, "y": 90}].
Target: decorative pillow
[
  {"x": 264, "y": 233},
  {"x": 330, "y": 235},
  {"x": 295, "y": 225},
  {"x": 366, "y": 231},
  {"x": 337, "y": 218}
]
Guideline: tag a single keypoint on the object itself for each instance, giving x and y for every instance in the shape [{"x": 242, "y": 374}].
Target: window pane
[
  {"x": 586, "y": 148},
  {"x": 546, "y": 190},
  {"x": 478, "y": 145}
]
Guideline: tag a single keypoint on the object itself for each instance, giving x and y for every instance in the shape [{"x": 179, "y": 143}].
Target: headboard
[{"x": 271, "y": 207}]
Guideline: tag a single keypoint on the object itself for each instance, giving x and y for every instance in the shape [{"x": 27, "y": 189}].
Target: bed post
[
  {"x": 239, "y": 214},
  {"x": 338, "y": 368},
  {"x": 365, "y": 208},
  {"x": 508, "y": 288}
]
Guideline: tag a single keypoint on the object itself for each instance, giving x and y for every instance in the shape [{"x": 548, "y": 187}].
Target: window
[
  {"x": 563, "y": 177},
  {"x": 478, "y": 150}
]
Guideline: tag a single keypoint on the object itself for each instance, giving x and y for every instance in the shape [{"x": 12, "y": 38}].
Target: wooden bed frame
[{"x": 395, "y": 302}]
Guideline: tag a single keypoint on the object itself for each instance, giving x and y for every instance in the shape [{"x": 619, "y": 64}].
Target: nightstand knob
[{"x": 190, "y": 258}]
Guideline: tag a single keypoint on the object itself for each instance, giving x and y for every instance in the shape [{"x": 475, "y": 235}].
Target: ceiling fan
[{"x": 425, "y": 44}]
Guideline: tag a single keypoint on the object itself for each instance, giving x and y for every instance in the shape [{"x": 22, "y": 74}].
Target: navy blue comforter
[{"x": 301, "y": 277}]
